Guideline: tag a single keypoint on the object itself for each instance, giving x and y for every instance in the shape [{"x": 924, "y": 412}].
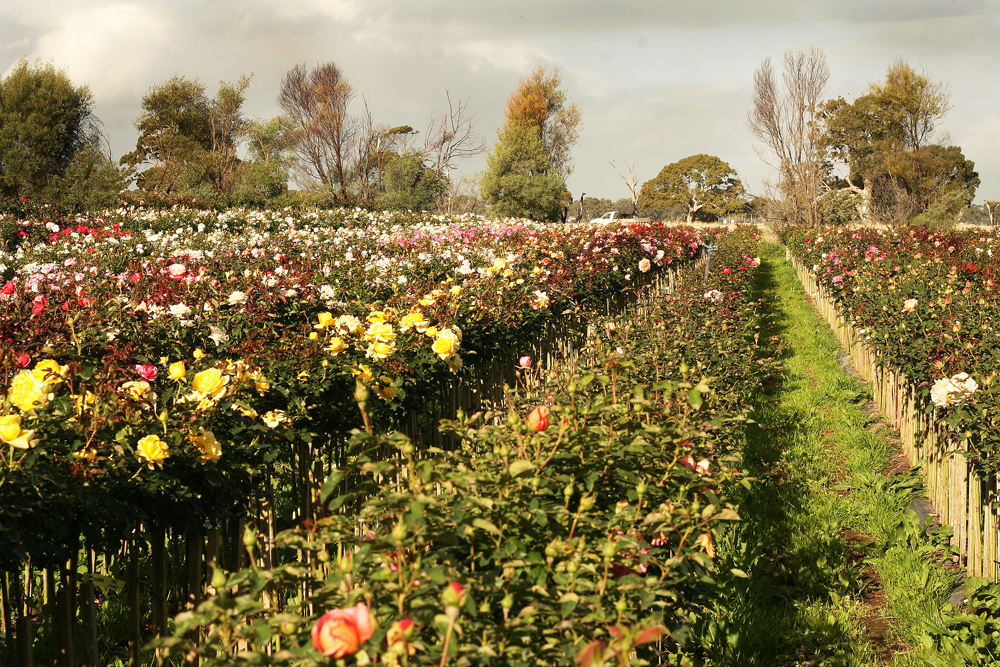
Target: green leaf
[
  {"x": 694, "y": 398},
  {"x": 488, "y": 526},
  {"x": 520, "y": 466}
]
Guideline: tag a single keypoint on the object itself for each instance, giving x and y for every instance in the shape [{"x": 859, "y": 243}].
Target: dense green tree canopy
[
  {"x": 44, "y": 122},
  {"x": 703, "y": 184},
  {"x": 518, "y": 182},
  {"x": 882, "y": 143},
  {"x": 408, "y": 184},
  {"x": 175, "y": 130}
]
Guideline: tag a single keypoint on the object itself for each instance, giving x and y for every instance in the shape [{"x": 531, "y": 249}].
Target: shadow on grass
[{"x": 795, "y": 562}]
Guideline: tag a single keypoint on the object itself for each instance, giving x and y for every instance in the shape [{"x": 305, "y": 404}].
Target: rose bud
[{"x": 538, "y": 419}]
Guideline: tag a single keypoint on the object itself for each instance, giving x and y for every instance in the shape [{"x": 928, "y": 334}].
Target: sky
[{"x": 655, "y": 80}]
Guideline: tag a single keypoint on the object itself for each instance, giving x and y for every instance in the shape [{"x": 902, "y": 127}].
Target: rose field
[
  {"x": 314, "y": 437},
  {"x": 480, "y": 441}
]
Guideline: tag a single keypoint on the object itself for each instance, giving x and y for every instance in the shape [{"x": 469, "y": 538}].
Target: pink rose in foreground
[
  {"x": 524, "y": 362},
  {"x": 538, "y": 419},
  {"x": 176, "y": 270},
  {"x": 342, "y": 631},
  {"x": 147, "y": 371}
]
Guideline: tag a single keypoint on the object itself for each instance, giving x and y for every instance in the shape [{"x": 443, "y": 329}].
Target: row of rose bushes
[
  {"x": 926, "y": 301},
  {"x": 167, "y": 376},
  {"x": 578, "y": 525}
]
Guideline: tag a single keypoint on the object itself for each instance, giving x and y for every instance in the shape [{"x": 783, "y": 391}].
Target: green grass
[{"x": 821, "y": 517}]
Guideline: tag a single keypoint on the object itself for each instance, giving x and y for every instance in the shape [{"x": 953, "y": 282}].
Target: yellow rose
[
  {"x": 274, "y": 417},
  {"x": 336, "y": 346},
  {"x": 81, "y": 402},
  {"x": 456, "y": 290},
  {"x": 325, "y": 320},
  {"x": 446, "y": 344},
  {"x": 12, "y": 433},
  {"x": 386, "y": 393},
  {"x": 414, "y": 320},
  {"x": 431, "y": 331},
  {"x": 176, "y": 370},
  {"x": 313, "y": 335},
  {"x": 152, "y": 450},
  {"x": 349, "y": 324},
  {"x": 380, "y": 351},
  {"x": 379, "y": 317},
  {"x": 363, "y": 372},
  {"x": 261, "y": 383},
  {"x": 27, "y": 392},
  {"x": 198, "y": 354},
  {"x": 380, "y": 332},
  {"x": 139, "y": 390},
  {"x": 49, "y": 371},
  {"x": 454, "y": 363},
  {"x": 210, "y": 448},
  {"x": 211, "y": 382}
]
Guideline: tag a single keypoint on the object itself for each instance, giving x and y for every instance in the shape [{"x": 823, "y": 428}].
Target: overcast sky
[{"x": 655, "y": 80}]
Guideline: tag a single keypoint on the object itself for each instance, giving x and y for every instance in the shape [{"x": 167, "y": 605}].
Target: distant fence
[{"x": 961, "y": 499}]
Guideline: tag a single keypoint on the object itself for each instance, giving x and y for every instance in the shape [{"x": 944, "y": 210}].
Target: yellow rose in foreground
[
  {"x": 12, "y": 433},
  {"x": 210, "y": 382},
  {"x": 49, "y": 371},
  {"x": 446, "y": 344},
  {"x": 325, "y": 320},
  {"x": 27, "y": 392},
  {"x": 176, "y": 370},
  {"x": 380, "y": 332},
  {"x": 152, "y": 450},
  {"x": 414, "y": 320},
  {"x": 210, "y": 448}
]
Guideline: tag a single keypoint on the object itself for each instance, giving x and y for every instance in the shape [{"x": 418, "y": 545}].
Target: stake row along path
[{"x": 831, "y": 494}]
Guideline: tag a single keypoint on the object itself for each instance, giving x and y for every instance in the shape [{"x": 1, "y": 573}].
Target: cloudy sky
[{"x": 655, "y": 80}]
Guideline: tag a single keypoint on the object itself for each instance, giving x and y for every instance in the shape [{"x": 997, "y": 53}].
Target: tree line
[
  {"x": 192, "y": 144},
  {"x": 877, "y": 159}
]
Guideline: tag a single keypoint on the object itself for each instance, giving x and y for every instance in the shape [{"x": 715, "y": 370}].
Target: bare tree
[
  {"x": 991, "y": 208},
  {"x": 784, "y": 119},
  {"x": 450, "y": 137},
  {"x": 631, "y": 182},
  {"x": 317, "y": 103},
  {"x": 373, "y": 145}
]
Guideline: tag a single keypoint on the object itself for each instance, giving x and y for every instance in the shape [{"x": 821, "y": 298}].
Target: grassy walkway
[{"x": 820, "y": 538}]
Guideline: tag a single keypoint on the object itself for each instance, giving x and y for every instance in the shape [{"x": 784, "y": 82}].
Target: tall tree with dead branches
[
  {"x": 783, "y": 117},
  {"x": 317, "y": 102}
]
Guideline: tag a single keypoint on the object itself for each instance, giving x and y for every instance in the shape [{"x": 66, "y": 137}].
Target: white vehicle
[{"x": 613, "y": 216}]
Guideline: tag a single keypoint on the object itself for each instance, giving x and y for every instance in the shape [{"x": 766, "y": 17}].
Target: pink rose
[
  {"x": 342, "y": 631},
  {"x": 524, "y": 362},
  {"x": 176, "y": 270},
  {"x": 147, "y": 371}
]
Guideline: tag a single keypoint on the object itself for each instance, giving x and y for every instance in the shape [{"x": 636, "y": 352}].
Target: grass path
[{"x": 819, "y": 539}]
